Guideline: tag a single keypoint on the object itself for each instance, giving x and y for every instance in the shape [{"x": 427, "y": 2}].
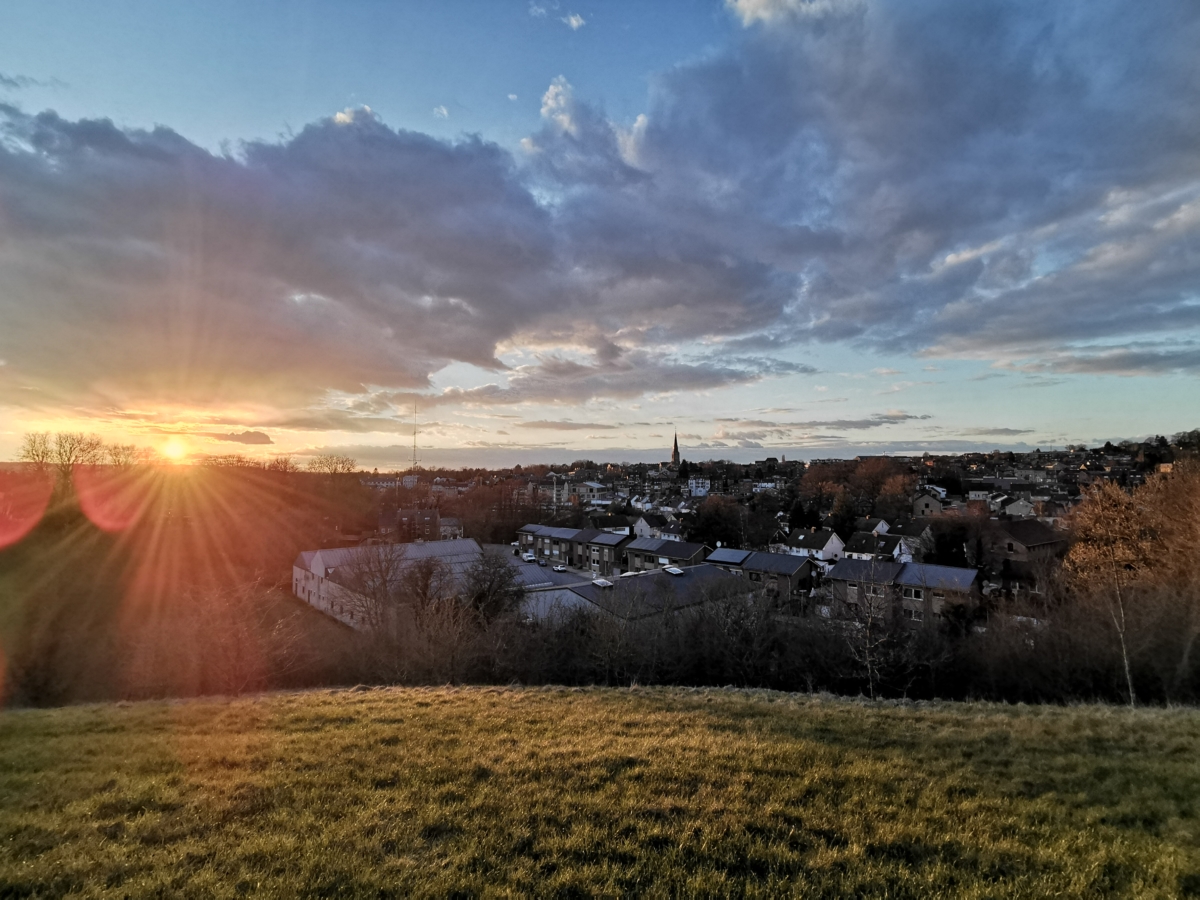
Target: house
[
  {"x": 927, "y": 504},
  {"x": 615, "y": 524},
  {"x": 788, "y": 578},
  {"x": 874, "y": 526},
  {"x": 601, "y": 552},
  {"x": 592, "y": 492},
  {"x": 329, "y": 580},
  {"x": 916, "y": 539},
  {"x": 869, "y": 545},
  {"x": 645, "y": 553},
  {"x": 450, "y": 529},
  {"x": 1019, "y": 509},
  {"x": 783, "y": 575},
  {"x": 860, "y": 587},
  {"x": 926, "y": 590},
  {"x": 650, "y": 525},
  {"x": 822, "y": 544},
  {"x": 672, "y": 531},
  {"x": 407, "y": 525},
  {"x": 1025, "y": 542},
  {"x": 658, "y": 592},
  {"x": 555, "y": 545},
  {"x": 914, "y": 592},
  {"x": 699, "y": 487},
  {"x": 729, "y": 559}
]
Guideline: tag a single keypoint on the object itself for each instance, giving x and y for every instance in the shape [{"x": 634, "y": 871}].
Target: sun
[{"x": 174, "y": 449}]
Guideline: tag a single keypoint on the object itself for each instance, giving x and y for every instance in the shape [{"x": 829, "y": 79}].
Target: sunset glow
[{"x": 175, "y": 449}]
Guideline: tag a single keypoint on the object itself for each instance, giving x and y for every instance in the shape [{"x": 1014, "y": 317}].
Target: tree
[
  {"x": 123, "y": 456},
  {"x": 37, "y": 447},
  {"x": 1113, "y": 545},
  {"x": 872, "y": 631},
  {"x": 284, "y": 464},
  {"x": 74, "y": 448},
  {"x": 332, "y": 464},
  {"x": 492, "y": 588},
  {"x": 718, "y": 520}
]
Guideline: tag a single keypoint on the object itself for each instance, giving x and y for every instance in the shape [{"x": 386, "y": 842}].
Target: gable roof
[
  {"x": 658, "y": 591},
  {"x": 458, "y": 555},
  {"x": 727, "y": 556},
  {"x": 669, "y": 549},
  {"x": 811, "y": 540},
  {"x": 875, "y": 571},
  {"x": 775, "y": 563},
  {"x": 1032, "y": 533},
  {"x": 952, "y": 578}
]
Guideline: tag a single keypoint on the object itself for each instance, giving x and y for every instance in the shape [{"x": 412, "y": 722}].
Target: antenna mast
[{"x": 415, "y": 460}]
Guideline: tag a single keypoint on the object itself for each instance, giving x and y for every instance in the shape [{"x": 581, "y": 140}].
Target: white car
[{"x": 560, "y": 568}]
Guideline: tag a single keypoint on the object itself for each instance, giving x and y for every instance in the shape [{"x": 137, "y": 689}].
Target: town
[{"x": 924, "y": 533}]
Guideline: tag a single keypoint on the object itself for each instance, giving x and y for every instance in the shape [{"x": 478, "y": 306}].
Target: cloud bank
[{"x": 1010, "y": 183}]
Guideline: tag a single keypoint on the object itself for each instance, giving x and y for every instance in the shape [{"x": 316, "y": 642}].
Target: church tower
[{"x": 675, "y": 452}]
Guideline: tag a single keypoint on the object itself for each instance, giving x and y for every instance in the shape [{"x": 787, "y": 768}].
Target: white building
[{"x": 319, "y": 577}]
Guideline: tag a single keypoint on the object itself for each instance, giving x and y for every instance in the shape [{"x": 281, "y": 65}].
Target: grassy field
[{"x": 657, "y": 792}]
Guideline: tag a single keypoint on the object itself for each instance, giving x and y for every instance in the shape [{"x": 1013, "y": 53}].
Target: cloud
[
  {"x": 761, "y": 429},
  {"x": 245, "y": 437},
  {"x": 20, "y": 82},
  {"x": 574, "y": 21},
  {"x": 984, "y": 432},
  {"x": 440, "y": 112},
  {"x": 512, "y": 96},
  {"x": 773, "y": 11},
  {"x": 566, "y": 426},
  {"x": 1015, "y": 184}
]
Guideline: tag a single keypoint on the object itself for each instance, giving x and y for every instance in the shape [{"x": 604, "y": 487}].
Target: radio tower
[{"x": 415, "y": 460}]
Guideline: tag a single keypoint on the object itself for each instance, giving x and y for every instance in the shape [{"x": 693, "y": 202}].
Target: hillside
[{"x": 393, "y": 792}]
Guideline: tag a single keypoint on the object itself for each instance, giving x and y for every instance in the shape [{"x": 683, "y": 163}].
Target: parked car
[
  {"x": 560, "y": 568},
  {"x": 529, "y": 557},
  {"x": 541, "y": 562}
]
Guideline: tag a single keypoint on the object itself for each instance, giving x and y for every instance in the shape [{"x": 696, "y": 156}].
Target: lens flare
[
  {"x": 114, "y": 500},
  {"x": 23, "y": 500}
]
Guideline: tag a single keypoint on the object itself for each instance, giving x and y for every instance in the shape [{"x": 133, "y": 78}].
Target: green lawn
[{"x": 597, "y": 792}]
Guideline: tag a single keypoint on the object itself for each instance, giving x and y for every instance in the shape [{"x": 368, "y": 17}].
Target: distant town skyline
[{"x": 562, "y": 230}]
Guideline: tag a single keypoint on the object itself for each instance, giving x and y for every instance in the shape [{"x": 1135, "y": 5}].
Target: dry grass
[{"x": 396, "y": 792}]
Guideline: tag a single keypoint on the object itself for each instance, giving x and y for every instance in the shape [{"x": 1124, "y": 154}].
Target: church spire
[{"x": 675, "y": 451}]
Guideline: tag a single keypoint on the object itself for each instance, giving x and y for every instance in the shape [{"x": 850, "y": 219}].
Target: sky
[{"x": 551, "y": 230}]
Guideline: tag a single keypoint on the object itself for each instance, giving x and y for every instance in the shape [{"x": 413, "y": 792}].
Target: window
[
  {"x": 911, "y": 593},
  {"x": 914, "y": 614},
  {"x": 1010, "y": 546}
]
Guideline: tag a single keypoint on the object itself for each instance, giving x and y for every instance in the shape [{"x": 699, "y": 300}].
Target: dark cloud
[{"x": 245, "y": 437}]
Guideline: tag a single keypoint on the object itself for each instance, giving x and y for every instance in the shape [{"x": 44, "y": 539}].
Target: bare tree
[
  {"x": 332, "y": 464},
  {"x": 74, "y": 448},
  {"x": 283, "y": 463},
  {"x": 492, "y": 588},
  {"x": 871, "y": 631},
  {"x": 1113, "y": 544},
  {"x": 37, "y": 447},
  {"x": 122, "y": 456}
]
